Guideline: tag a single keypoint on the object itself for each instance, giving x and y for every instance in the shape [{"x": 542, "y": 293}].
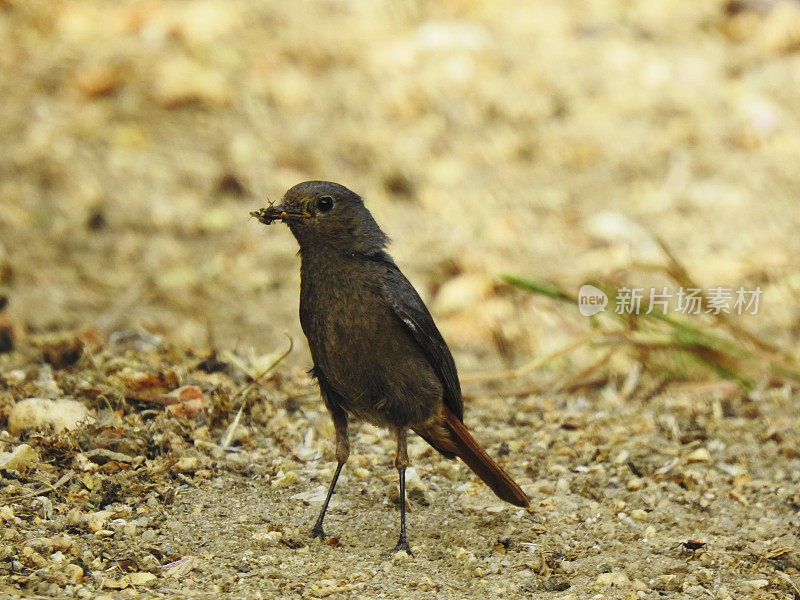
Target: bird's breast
[{"x": 365, "y": 351}]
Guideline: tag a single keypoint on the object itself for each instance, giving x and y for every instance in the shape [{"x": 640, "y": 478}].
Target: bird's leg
[
  {"x": 342, "y": 452},
  {"x": 401, "y": 462}
]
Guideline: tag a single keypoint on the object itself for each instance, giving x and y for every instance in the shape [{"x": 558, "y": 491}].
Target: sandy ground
[
  {"x": 553, "y": 141},
  {"x": 146, "y": 503}
]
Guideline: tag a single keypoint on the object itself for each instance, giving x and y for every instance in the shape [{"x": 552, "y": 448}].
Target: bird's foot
[
  {"x": 318, "y": 532},
  {"x": 402, "y": 544}
]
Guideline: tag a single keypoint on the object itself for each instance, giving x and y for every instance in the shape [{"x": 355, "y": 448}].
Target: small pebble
[
  {"x": 617, "y": 578},
  {"x": 698, "y": 455},
  {"x": 362, "y": 473},
  {"x": 141, "y": 578},
  {"x": 285, "y": 479},
  {"x": 74, "y": 573},
  {"x": 19, "y": 459},
  {"x": 267, "y": 538},
  {"x": 103, "y": 533},
  {"x": 149, "y": 535},
  {"x": 97, "y": 521},
  {"x": 187, "y": 464},
  {"x": 40, "y": 413},
  {"x": 74, "y": 516},
  {"x": 556, "y": 585}
]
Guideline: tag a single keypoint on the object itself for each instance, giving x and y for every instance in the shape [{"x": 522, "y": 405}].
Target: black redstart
[{"x": 377, "y": 353}]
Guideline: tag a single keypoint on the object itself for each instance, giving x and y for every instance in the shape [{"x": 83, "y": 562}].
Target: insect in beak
[{"x": 270, "y": 214}]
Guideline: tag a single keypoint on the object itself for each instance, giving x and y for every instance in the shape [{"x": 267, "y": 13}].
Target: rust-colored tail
[{"x": 449, "y": 436}]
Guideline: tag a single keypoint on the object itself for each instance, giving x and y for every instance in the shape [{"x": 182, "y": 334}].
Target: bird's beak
[{"x": 271, "y": 213}]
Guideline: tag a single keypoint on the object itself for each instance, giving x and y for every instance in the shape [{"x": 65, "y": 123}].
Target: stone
[
  {"x": 18, "y": 459},
  {"x": 40, "y": 413}
]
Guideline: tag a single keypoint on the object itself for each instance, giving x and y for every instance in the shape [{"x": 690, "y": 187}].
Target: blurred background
[{"x": 551, "y": 140}]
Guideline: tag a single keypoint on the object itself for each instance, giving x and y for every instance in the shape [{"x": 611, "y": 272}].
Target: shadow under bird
[{"x": 378, "y": 356}]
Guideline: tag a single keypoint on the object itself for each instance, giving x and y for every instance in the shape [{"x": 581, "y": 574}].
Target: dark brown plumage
[{"x": 377, "y": 353}]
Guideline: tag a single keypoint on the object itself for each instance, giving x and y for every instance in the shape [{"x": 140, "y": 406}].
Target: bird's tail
[{"x": 449, "y": 436}]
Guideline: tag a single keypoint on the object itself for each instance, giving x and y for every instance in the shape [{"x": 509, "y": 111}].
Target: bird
[{"x": 377, "y": 353}]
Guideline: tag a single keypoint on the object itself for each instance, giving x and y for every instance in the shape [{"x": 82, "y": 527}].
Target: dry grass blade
[
  {"x": 230, "y": 432},
  {"x": 723, "y": 388},
  {"x": 737, "y": 356},
  {"x": 255, "y": 376},
  {"x": 788, "y": 580},
  {"x": 538, "y": 287},
  {"x": 532, "y": 365},
  {"x": 45, "y": 490},
  {"x": 586, "y": 377},
  {"x": 680, "y": 274}
]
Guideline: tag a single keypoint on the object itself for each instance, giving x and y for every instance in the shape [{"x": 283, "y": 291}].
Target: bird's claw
[
  {"x": 318, "y": 532},
  {"x": 402, "y": 544}
]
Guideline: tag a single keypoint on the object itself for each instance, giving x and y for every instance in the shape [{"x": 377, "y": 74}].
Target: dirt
[
  {"x": 557, "y": 142},
  {"x": 623, "y": 488}
]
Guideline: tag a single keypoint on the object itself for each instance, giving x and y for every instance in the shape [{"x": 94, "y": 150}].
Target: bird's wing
[{"x": 412, "y": 312}]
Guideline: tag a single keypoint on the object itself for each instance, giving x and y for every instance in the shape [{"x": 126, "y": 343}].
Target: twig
[
  {"x": 655, "y": 390},
  {"x": 45, "y": 490},
  {"x": 788, "y": 580},
  {"x": 256, "y": 376},
  {"x": 581, "y": 378},
  {"x": 726, "y": 388},
  {"x": 631, "y": 381},
  {"x": 229, "y": 433},
  {"x": 532, "y": 365}
]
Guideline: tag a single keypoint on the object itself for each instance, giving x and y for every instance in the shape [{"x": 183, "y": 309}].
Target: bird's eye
[{"x": 325, "y": 203}]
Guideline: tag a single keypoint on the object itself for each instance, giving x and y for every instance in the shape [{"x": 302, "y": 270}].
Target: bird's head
[{"x": 328, "y": 216}]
